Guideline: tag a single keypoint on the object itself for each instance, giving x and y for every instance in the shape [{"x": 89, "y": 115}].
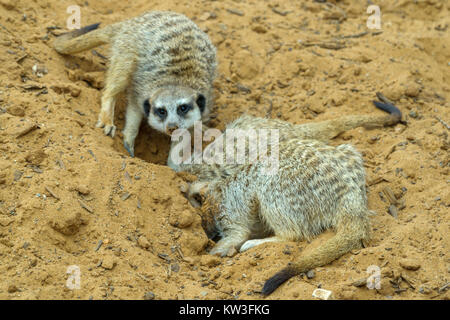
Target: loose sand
[{"x": 71, "y": 196}]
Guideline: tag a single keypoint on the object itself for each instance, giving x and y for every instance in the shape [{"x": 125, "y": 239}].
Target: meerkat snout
[{"x": 171, "y": 127}]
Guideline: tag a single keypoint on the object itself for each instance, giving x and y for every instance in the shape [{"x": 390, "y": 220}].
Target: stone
[
  {"x": 12, "y": 288},
  {"x": 149, "y": 296},
  {"x": 322, "y": 294},
  {"x": 310, "y": 274},
  {"x": 143, "y": 242}
]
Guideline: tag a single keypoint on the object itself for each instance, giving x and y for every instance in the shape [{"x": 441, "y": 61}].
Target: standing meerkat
[
  {"x": 165, "y": 63},
  {"x": 316, "y": 187}
]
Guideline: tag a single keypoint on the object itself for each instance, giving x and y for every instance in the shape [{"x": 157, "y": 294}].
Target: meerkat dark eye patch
[
  {"x": 161, "y": 112},
  {"x": 201, "y": 102},
  {"x": 183, "y": 109},
  {"x": 198, "y": 198},
  {"x": 147, "y": 108}
]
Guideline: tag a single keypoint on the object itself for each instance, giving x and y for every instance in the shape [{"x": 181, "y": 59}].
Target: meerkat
[
  {"x": 319, "y": 184},
  {"x": 164, "y": 61},
  {"x": 323, "y": 131},
  {"x": 316, "y": 187}
]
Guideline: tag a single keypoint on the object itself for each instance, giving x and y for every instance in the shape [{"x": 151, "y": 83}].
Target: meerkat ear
[
  {"x": 201, "y": 102},
  {"x": 147, "y": 107}
]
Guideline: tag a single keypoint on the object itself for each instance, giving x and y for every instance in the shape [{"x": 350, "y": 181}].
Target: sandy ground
[{"x": 71, "y": 196}]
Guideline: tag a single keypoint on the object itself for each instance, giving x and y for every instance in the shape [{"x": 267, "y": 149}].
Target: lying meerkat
[
  {"x": 316, "y": 187},
  {"x": 337, "y": 170},
  {"x": 165, "y": 63},
  {"x": 322, "y": 131}
]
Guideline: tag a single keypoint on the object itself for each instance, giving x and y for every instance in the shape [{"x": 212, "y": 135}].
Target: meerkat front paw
[
  {"x": 223, "y": 251},
  {"x": 107, "y": 124},
  {"x": 225, "y": 248},
  {"x": 108, "y": 129},
  {"x": 219, "y": 251}
]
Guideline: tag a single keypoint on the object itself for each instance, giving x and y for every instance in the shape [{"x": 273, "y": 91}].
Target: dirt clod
[{"x": 409, "y": 264}]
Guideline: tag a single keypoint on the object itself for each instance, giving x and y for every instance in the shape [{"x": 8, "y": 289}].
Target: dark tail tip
[
  {"x": 84, "y": 30},
  {"x": 79, "y": 32},
  {"x": 389, "y": 108},
  {"x": 277, "y": 280}
]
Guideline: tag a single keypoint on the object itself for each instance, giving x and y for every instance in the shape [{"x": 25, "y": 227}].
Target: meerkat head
[
  {"x": 202, "y": 194},
  {"x": 174, "y": 107},
  {"x": 196, "y": 193}
]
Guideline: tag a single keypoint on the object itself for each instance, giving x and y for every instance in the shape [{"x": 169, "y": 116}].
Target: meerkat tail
[
  {"x": 327, "y": 130},
  {"x": 395, "y": 115},
  {"x": 348, "y": 237},
  {"x": 83, "y": 39}
]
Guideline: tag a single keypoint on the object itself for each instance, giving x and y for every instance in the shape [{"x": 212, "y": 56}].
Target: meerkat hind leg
[
  {"x": 256, "y": 242},
  {"x": 133, "y": 121},
  {"x": 117, "y": 79}
]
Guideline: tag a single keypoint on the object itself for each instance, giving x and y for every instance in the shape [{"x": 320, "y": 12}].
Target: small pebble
[
  {"x": 413, "y": 114},
  {"x": 149, "y": 296},
  {"x": 236, "y": 12},
  {"x": 143, "y": 242},
  {"x": 360, "y": 282},
  {"x": 12, "y": 288},
  {"x": 322, "y": 294},
  {"x": 393, "y": 211},
  {"x": 310, "y": 274},
  {"x": 424, "y": 290},
  {"x": 175, "y": 267}
]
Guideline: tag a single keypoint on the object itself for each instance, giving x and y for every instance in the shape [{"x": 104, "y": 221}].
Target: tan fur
[
  {"x": 163, "y": 60},
  {"x": 322, "y": 131},
  {"x": 84, "y": 39},
  {"x": 315, "y": 188}
]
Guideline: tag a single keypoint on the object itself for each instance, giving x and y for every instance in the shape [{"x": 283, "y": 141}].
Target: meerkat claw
[
  {"x": 129, "y": 148},
  {"x": 110, "y": 130},
  {"x": 99, "y": 124}
]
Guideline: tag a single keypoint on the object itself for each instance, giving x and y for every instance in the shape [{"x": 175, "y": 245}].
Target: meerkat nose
[{"x": 171, "y": 127}]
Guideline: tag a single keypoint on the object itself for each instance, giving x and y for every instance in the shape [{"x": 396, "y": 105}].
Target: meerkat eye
[
  {"x": 198, "y": 198},
  {"x": 161, "y": 112},
  {"x": 183, "y": 109},
  {"x": 147, "y": 107}
]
